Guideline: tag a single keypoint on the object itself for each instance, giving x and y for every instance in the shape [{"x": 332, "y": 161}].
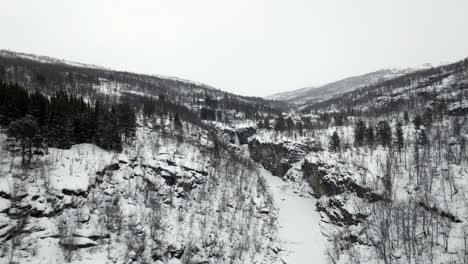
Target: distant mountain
[
  {"x": 315, "y": 94},
  {"x": 442, "y": 89},
  {"x": 45, "y": 59},
  {"x": 49, "y": 75}
]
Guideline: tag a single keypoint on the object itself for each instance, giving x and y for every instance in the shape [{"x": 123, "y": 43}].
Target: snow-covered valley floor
[{"x": 299, "y": 224}]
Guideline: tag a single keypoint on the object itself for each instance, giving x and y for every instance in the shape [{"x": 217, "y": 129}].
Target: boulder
[{"x": 112, "y": 167}]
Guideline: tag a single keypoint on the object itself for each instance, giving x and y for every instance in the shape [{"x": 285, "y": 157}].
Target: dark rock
[
  {"x": 230, "y": 134},
  {"x": 175, "y": 252},
  {"x": 170, "y": 163},
  {"x": 234, "y": 147},
  {"x": 204, "y": 173},
  {"x": 79, "y": 242},
  {"x": 169, "y": 177},
  {"x": 112, "y": 167},
  {"x": 4, "y": 195},
  {"x": 337, "y": 214},
  {"x": 244, "y": 134},
  {"x": 81, "y": 193},
  {"x": 329, "y": 179},
  {"x": 440, "y": 212},
  {"x": 277, "y": 157},
  {"x": 99, "y": 237}
]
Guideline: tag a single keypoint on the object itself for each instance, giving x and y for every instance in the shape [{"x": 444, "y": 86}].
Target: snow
[
  {"x": 4, "y": 204},
  {"x": 299, "y": 224},
  {"x": 73, "y": 167},
  {"x": 46, "y": 59}
]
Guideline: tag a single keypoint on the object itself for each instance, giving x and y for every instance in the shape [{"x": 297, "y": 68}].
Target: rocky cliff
[
  {"x": 277, "y": 156},
  {"x": 331, "y": 178}
]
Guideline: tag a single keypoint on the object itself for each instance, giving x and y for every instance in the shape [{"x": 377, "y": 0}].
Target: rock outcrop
[
  {"x": 278, "y": 156},
  {"x": 337, "y": 212},
  {"x": 239, "y": 135},
  {"x": 327, "y": 178},
  {"x": 244, "y": 133}
]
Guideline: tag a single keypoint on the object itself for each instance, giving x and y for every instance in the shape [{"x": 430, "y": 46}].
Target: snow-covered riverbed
[{"x": 299, "y": 225}]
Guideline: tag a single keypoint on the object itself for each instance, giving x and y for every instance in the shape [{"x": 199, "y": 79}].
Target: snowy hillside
[
  {"x": 314, "y": 94},
  {"x": 99, "y": 166},
  {"x": 45, "y": 59},
  {"x": 161, "y": 200},
  {"x": 49, "y": 75}
]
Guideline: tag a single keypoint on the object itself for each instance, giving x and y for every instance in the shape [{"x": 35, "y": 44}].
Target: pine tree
[
  {"x": 384, "y": 133},
  {"x": 260, "y": 124},
  {"x": 422, "y": 137},
  {"x": 399, "y": 137},
  {"x": 335, "y": 142},
  {"x": 280, "y": 124},
  {"x": 300, "y": 128},
  {"x": 427, "y": 118},
  {"x": 2, "y": 72},
  {"x": 177, "y": 122},
  {"x": 127, "y": 120},
  {"x": 266, "y": 123},
  {"x": 370, "y": 137},
  {"x": 406, "y": 117},
  {"x": 417, "y": 121},
  {"x": 290, "y": 124},
  {"x": 359, "y": 133},
  {"x": 456, "y": 127},
  {"x": 25, "y": 131}
]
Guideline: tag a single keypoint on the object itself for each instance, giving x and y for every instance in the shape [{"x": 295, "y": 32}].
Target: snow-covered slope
[
  {"x": 49, "y": 75},
  {"x": 46, "y": 59},
  {"x": 162, "y": 200},
  {"x": 314, "y": 94}
]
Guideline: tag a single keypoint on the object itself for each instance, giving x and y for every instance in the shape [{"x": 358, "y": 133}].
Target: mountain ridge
[{"x": 309, "y": 94}]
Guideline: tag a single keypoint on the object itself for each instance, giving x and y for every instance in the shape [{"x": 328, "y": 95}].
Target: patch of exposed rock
[
  {"x": 278, "y": 156},
  {"x": 331, "y": 178},
  {"x": 244, "y": 133},
  {"x": 338, "y": 213}
]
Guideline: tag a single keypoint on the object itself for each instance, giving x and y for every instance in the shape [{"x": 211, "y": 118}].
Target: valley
[{"x": 104, "y": 166}]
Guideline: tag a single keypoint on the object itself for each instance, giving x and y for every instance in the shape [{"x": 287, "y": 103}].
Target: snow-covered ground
[
  {"x": 299, "y": 232},
  {"x": 159, "y": 201}
]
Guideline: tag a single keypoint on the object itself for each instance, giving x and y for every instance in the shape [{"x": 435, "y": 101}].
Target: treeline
[
  {"x": 303, "y": 124},
  {"x": 64, "y": 120},
  {"x": 225, "y": 108}
]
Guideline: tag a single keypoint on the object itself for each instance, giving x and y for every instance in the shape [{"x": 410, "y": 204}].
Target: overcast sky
[{"x": 251, "y": 47}]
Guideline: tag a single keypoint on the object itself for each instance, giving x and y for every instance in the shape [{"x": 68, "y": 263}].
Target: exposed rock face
[
  {"x": 328, "y": 179},
  {"x": 333, "y": 179},
  {"x": 278, "y": 156},
  {"x": 229, "y": 135},
  {"x": 440, "y": 212},
  {"x": 244, "y": 134},
  {"x": 337, "y": 212}
]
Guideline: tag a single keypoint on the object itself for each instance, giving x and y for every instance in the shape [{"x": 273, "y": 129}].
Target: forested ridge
[{"x": 64, "y": 119}]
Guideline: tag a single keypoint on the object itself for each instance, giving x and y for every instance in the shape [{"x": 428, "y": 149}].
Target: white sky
[{"x": 250, "y": 47}]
